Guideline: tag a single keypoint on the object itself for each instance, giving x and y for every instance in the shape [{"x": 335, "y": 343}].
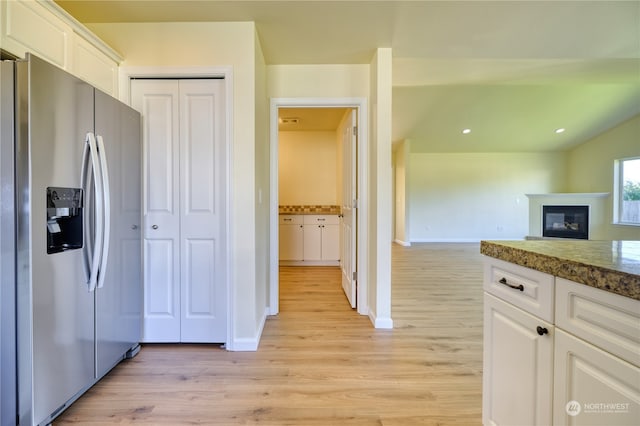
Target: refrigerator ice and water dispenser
[{"x": 64, "y": 219}]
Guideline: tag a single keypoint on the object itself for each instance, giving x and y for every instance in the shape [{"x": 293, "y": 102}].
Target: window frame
[{"x": 618, "y": 188}]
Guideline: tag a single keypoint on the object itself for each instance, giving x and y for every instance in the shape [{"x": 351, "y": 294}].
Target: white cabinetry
[
  {"x": 46, "y": 30},
  {"x": 93, "y": 66},
  {"x": 557, "y": 352},
  {"x": 321, "y": 238},
  {"x": 597, "y": 357},
  {"x": 290, "y": 238},
  {"x": 310, "y": 240},
  {"x": 518, "y": 346},
  {"x": 29, "y": 26}
]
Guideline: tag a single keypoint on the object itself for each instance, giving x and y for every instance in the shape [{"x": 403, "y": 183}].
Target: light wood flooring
[{"x": 319, "y": 362}]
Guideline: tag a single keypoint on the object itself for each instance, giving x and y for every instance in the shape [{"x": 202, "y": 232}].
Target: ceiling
[{"x": 511, "y": 71}]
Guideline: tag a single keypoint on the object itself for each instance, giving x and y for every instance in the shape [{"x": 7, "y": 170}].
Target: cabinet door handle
[
  {"x": 154, "y": 226},
  {"x": 515, "y": 287},
  {"x": 542, "y": 330}
]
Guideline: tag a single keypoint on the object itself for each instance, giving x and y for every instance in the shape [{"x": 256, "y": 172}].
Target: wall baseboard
[
  {"x": 382, "y": 323},
  {"x": 463, "y": 240},
  {"x": 250, "y": 344}
]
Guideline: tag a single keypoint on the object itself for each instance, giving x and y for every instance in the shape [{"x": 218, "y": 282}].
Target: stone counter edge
[{"x": 606, "y": 279}]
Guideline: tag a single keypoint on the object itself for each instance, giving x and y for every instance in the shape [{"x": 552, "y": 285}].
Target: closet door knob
[{"x": 154, "y": 226}]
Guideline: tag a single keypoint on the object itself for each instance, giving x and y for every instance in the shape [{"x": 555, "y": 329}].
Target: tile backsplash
[{"x": 309, "y": 209}]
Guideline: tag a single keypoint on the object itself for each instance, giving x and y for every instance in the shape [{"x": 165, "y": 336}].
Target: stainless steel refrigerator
[{"x": 71, "y": 295}]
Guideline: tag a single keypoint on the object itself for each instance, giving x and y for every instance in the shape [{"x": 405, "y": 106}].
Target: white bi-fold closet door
[{"x": 184, "y": 209}]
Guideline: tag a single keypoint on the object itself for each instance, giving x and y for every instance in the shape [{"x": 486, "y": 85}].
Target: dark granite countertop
[{"x": 612, "y": 266}]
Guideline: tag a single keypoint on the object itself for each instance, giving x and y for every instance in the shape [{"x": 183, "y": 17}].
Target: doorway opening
[{"x": 318, "y": 176}]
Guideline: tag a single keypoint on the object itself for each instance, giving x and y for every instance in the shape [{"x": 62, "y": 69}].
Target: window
[{"x": 627, "y": 191}]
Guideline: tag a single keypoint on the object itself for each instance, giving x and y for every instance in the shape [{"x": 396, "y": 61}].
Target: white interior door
[
  {"x": 158, "y": 102},
  {"x": 184, "y": 220},
  {"x": 349, "y": 197},
  {"x": 202, "y": 220}
]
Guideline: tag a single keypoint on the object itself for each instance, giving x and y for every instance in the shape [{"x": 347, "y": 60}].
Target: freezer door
[
  {"x": 119, "y": 299},
  {"x": 55, "y": 309}
]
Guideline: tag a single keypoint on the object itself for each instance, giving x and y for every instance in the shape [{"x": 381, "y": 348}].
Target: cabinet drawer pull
[
  {"x": 515, "y": 287},
  {"x": 321, "y": 219},
  {"x": 287, "y": 220},
  {"x": 542, "y": 330}
]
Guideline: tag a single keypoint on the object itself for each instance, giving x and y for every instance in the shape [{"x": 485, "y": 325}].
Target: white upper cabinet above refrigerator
[{"x": 45, "y": 29}]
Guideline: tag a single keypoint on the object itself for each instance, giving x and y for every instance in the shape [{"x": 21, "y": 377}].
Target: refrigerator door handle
[
  {"x": 106, "y": 205},
  {"x": 92, "y": 152},
  {"x": 87, "y": 248}
]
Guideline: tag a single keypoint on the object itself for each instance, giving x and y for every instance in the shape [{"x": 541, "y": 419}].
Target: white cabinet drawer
[
  {"x": 290, "y": 219},
  {"x": 528, "y": 289},
  {"x": 321, "y": 219},
  {"x": 607, "y": 320}
]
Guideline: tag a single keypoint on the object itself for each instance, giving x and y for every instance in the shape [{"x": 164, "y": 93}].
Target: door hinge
[
  {"x": 355, "y": 204},
  {"x": 355, "y": 130},
  {"x": 355, "y": 276}
]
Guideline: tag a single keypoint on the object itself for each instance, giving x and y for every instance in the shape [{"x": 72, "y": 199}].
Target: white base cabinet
[
  {"x": 309, "y": 240},
  {"x": 593, "y": 387},
  {"x": 557, "y": 352},
  {"x": 290, "y": 237},
  {"x": 518, "y": 345},
  {"x": 597, "y": 357},
  {"x": 518, "y": 365}
]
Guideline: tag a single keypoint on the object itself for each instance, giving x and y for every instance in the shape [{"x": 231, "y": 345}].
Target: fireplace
[{"x": 565, "y": 221}]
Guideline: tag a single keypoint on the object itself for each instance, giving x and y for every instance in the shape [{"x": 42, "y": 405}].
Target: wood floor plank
[{"x": 319, "y": 362}]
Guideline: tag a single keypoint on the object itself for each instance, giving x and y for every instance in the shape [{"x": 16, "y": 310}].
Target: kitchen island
[{"x": 561, "y": 332}]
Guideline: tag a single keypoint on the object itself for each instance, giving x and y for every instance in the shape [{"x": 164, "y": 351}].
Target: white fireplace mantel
[
  {"x": 570, "y": 195},
  {"x": 598, "y": 203}
]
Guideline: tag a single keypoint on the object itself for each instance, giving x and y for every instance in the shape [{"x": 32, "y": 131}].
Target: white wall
[
  {"x": 262, "y": 172},
  {"x": 323, "y": 81},
  {"x": 590, "y": 168},
  {"x": 401, "y": 163},
  {"x": 474, "y": 196},
  {"x": 308, "y": 168},
  {"x": 380, "y": 191}
]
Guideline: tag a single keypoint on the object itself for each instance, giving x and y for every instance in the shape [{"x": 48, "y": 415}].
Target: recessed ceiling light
[
  {"x": 560, "y": 130},
  {"x": 466, "y": 131}
]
